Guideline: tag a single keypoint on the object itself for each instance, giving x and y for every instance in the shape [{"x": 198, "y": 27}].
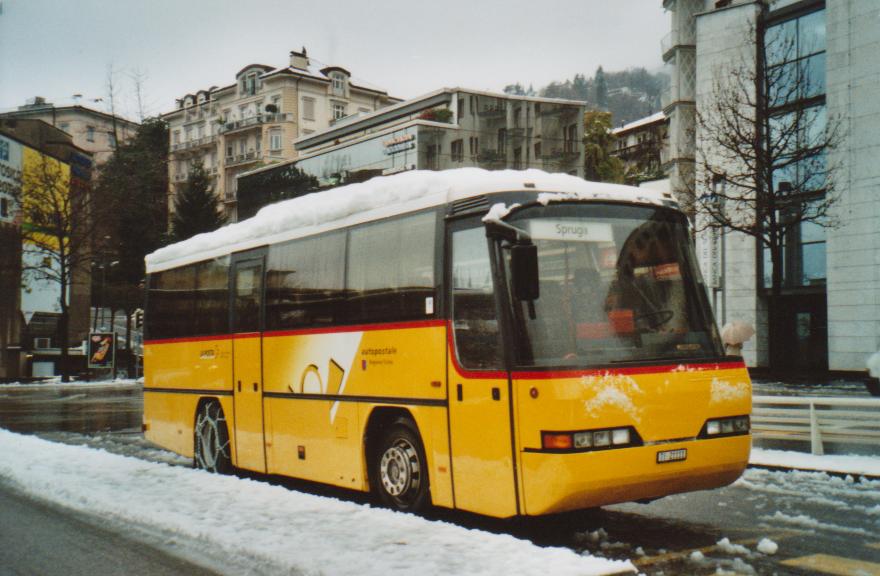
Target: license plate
[{"x": 672, "y": 456}]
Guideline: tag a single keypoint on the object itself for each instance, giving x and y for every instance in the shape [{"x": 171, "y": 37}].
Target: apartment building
[
  {"x": 831, "y": 281},
  {"x": 254, "y": 121},
  {"x": 447, "y": 128},
  {"x": 91, "y": 130},
  {"x": 643, "y": 147}
]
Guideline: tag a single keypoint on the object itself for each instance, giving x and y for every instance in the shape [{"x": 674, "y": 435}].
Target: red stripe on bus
[
  {"x": 359, "y": 328},
  {"x": 550, "y": 374},
  {"x": 305, "y": 331},
  {"x": 655, "y": 369},
  {"x": 189, "y": 339}
]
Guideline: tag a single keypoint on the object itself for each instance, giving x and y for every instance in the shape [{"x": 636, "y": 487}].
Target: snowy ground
[
  {"x": 122, "y": 479},
  {"x": 246, "y": 527}
]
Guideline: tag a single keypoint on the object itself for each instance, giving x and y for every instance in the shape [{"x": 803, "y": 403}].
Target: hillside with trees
[{"x": 629, "y": 94}]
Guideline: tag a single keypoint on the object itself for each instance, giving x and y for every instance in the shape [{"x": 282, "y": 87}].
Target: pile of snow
[
  {"x": 725, "y": 545},
  {"x": 767, "y": 546},
  {"x": 275, "y": 529},
  {"x": 56, "y": 383},
  {"x": 856, "y": 465},
  {"x": 354, "y": 202}
]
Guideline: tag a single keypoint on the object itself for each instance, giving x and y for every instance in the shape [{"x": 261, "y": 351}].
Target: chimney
[{"x": 299, "y": 60}]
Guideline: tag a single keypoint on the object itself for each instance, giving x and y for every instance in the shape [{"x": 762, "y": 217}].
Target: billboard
[{"x": 102, "y": 349}]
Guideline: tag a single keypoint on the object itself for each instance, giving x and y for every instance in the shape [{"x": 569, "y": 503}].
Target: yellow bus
[{"x": 506, "y": 343}]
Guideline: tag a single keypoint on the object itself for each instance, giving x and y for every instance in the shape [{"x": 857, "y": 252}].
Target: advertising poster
[{"x": 102, "y": 349}]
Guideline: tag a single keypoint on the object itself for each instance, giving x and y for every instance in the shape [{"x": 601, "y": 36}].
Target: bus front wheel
[
  {"x": 212, "y": 439},
  {"x": 400, "y": 472}
]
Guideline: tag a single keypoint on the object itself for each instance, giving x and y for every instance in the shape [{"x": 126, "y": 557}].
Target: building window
[
  {"x": 460, "y": 107},
  {"x": 175, "y": 137},
  {"x": 65, "y": 126},
  {"x": 308, "y": 108},
  {"x": 249, "y": 84},
  {"x": 338, "y": 80},
  {"x": 457, "y": 150},
  {"x": 230, "y": 151},
  {"x": 517, "y": 159},
  {"x": 258, "y": 143},
  {"x": 4, "y": 208},
  {"x": 571, "y": 138},
  {"x": 338, "y": 110},
  {"x": 537, "y": 150},
  {"x": 795, "y": 90},
  {"x": 111, "y": 140},
  {"x": 502, "y": 139},
  {"x": 474, "y": 146},
  {"x": 275, "y": 140},
  {"x": 432, "y": 155},
  {"x": 90, "y": 133}
]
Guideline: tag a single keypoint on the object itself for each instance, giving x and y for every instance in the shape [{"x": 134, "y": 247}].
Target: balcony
[
  {"x": 561, "y": 111},
  {"x": 195, "y": 143},
  {"x": 561, "y": 156},
  {"x": 493, "y": 110},
  {"x": 241, "y": 159},
  {"x": 254, "y": 121},
  {"x": 491, "y": 156}
]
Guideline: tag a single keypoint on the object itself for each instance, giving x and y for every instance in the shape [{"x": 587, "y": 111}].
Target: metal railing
[
  {"x": 194, "y": 143},
  {"x": 817, "y": 420},
  {"x": 257, "y": 120}
]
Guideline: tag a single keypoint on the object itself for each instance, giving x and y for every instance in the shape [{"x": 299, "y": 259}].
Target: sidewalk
[{"x": 839, "y": 465}]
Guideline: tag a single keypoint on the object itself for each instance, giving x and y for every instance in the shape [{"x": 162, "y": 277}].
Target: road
[
  {"x": 814, "y": 519},
  {"x": 40, "y": 539}
]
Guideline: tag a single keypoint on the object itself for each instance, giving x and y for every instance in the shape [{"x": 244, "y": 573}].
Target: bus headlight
[
  {"x": 601, "y": 439},
  {"x": 719, "y": 427}
]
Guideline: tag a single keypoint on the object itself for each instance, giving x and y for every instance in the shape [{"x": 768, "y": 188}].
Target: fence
[{"x": 818, "y": 420}]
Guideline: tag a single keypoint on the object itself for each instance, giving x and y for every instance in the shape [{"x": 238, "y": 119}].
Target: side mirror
[{"x": 524, "y": 271}]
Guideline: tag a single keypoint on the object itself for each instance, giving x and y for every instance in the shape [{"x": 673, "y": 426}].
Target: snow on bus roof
[{"x": 381, "y": 197}]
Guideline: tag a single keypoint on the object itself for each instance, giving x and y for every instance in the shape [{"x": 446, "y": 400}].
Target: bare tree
[
  {"x": 57, "y": 216},
  {"x": 138, "y": 79},
  {"x": 764, "y": 154}
]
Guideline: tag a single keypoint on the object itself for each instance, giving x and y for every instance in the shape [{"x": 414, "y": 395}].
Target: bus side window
[
  {"x": 305, "y": 282},
  {"x": 473, "y": 301},
  {"x": 390, "y": 269},
  {"x": 172, "y": 303}
]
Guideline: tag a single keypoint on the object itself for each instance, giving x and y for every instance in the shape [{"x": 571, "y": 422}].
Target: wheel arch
[{"x": 381, "y": 418}]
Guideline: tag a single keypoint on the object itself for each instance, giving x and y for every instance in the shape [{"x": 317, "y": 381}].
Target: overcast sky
[{"x": 57, "y": 48}]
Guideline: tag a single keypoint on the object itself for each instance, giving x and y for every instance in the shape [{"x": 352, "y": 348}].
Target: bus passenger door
[
  {"x": 483, "y": 465},
  {"x": 247, "y": 360}
]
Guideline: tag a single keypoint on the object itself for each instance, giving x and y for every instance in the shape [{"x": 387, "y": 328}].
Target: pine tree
[
  {"x": 599, "y": 165},
  {"x": 600, "y": 86},
  {"x": 195, "y": 209}
]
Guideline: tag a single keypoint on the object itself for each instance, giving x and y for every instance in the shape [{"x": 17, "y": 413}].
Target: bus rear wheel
[
  {"x": 400, "y": 472},
  {"x": 212, "y": 440}
]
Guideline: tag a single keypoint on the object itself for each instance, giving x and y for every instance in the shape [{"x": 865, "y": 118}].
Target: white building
[
  {"x": 254, "y": 121},
  {"x": 831, "y": 298},
  {"x": 446, "y": 128}
]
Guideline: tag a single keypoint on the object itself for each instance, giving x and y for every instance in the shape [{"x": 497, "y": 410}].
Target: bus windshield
[{"x": 617, "y": 284}]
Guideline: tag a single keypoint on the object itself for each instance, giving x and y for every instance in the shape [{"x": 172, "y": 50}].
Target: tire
[
  {"x": 211, "y": 438},
  {"x": 399, "y": 469}
]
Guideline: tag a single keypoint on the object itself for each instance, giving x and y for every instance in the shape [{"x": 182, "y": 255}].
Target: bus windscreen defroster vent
[{"x": 470, "y": 204}]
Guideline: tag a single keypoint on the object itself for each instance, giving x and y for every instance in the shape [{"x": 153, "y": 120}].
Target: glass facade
[
  {"x": 795, "y": 91},
  {"x": 363, "y": 160}
]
